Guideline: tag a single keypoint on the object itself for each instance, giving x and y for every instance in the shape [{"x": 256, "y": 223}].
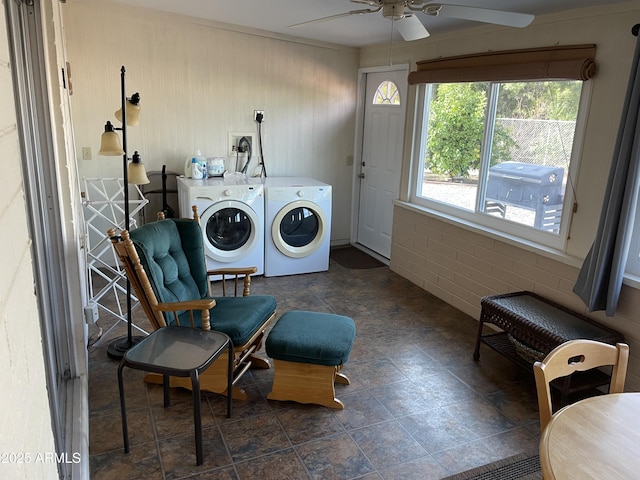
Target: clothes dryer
[
  {"x": 231, "y": 217},
  {"x": 297, "y": 225}
]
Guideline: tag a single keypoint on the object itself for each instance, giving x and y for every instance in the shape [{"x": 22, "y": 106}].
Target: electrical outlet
[
  {"x": 255, "y": 115},
  {"x": 234, "y": 140},
  {"x": 91, "y": 314},
  {"x": 86, "y": 153}
]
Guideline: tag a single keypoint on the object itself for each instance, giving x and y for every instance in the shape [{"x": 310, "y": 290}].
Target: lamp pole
[{"x": 119, "y": 346}]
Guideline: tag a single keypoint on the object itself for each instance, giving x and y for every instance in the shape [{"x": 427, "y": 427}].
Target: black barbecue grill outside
[{"x": 534, "y": 187}]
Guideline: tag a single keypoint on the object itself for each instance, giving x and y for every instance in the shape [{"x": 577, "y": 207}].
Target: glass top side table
[{"x": 179, "y": 352}]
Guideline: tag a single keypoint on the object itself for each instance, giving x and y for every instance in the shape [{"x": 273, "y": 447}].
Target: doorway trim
[
  {"x": 52, "y": 206},
  {"x": 357, "y": 149}
]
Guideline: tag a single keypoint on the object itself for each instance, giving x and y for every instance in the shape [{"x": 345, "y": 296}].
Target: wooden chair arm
[
  {"x": 233, "y": 271},
  {"x": 200, "y": 304},
  {"x": 236, "y": 273}
]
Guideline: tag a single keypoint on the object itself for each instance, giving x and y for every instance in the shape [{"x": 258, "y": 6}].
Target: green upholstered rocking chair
[{"x": 165, "y": 263}]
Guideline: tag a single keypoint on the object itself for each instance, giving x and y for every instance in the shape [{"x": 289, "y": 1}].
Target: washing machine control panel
[
  {"x": 243, "y": 193},
  {"x": 212, "y": 190}
]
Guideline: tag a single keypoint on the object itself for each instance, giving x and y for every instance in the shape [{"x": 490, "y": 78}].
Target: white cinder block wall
[
  {"x": 461, "y": 266},
  {"x": 25, "y": 421}
]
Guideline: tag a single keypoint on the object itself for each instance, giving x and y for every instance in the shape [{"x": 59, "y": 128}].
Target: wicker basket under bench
[{"x": 531, "y": 326}]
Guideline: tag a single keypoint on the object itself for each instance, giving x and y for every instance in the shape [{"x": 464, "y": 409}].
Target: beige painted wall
[
  {"x": 199, "y": 81},
  {"x": 25, "y": 421},
  {"x": 460, "y": 265}
]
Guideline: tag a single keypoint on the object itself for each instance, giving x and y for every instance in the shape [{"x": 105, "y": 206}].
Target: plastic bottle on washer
[
  {"x": 188, "y": 168},
  {"x": 202, "y": 161},
  {"x": 196, "y": 169}
]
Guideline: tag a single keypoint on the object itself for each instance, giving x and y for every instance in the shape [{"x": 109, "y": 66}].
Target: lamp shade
[
  {"x": 133, "y": 110},
  {"x": 110, "y": 142},
  {"x": 136, "y": 173}
]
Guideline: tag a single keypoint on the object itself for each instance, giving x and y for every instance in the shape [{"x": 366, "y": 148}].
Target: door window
[{"x": 387, "y": 94}]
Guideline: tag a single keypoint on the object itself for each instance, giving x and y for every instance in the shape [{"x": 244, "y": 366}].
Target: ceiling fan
[{"x": 401, "y": 12}]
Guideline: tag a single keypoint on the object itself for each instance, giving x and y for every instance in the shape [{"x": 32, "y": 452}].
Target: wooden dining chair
[{"x": 578, "y": 356}]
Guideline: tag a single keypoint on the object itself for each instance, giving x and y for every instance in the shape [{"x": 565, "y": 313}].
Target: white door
[{"x": 381, "y": 159}]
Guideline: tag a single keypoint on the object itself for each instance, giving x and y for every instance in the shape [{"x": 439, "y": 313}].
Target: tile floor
[{"x": 418, "y": 406}]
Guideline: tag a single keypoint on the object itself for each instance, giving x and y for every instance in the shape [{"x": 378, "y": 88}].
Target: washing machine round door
[
  {"x": 230, "y": 230},
  {"x": 299, "y": 228}
]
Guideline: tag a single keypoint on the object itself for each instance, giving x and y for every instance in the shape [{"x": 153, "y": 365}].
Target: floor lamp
[{"x": 132, "y": 173}]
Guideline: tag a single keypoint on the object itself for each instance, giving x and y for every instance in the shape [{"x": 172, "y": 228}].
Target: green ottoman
[{"x": 309, "y": 350}]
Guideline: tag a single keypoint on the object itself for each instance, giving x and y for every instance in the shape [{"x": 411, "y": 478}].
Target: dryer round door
[
  {"x": 230, "y": 230},
  {"x": 299, "y": 228}
]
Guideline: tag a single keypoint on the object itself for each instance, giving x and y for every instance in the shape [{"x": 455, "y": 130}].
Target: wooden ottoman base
[
  {"x": 308, "y": 351},
  {"x": 307, "y": 383}
]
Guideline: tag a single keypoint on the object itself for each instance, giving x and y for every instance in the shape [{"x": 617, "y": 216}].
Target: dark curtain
[{"x": 600, "y": 278}]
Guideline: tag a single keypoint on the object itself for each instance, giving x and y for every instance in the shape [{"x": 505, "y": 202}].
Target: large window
[{"x": 500, "y": 154}]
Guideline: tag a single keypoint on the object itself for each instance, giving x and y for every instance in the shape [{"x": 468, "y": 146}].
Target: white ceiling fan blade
[
  {"x": 485, "y": 15},
  {"x": 410, "y": 28},
  {"x": 372, "y": 3},
  {"x": 318, "y": 20},
  {"x": 340, "y": 15}
]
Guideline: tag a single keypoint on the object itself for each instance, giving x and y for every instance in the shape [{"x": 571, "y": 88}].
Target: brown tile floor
[{"x": 418, "y": 406}]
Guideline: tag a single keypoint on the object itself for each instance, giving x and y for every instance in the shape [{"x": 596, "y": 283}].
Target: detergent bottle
[
  {"x": 196, "y": 169},
  {"x": 188, "y": 169}
]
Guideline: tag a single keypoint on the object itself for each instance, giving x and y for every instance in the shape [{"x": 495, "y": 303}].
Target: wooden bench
[{"x": 531, "y": 326}]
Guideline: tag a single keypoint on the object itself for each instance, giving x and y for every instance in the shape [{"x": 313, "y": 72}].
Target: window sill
[
  {"x": 537, "y": 248},
  {"x": 632, "y": 281}
]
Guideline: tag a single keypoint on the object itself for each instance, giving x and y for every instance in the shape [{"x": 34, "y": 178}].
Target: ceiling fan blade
[
  {"x": 339, "y": 15},
  {"x": 318, "y": 20},
  {"x": 498, "y": 17},
  {"x": 372, "y": 3},
  {"x": 410, "y": 28}
]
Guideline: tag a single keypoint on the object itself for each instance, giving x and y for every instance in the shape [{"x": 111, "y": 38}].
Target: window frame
[
  {"x": 632, "y": 266},
  {"x": 478, "y": 220}
]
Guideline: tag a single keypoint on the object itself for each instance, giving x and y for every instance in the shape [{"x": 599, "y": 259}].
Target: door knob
[{"x": 361, "y": 175}]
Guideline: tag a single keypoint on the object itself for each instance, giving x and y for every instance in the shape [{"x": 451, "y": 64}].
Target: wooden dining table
[{"x": 595, "y": 438}]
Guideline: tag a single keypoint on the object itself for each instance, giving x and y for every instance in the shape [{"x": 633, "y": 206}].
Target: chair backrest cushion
[{"x": 172, "y": 254}]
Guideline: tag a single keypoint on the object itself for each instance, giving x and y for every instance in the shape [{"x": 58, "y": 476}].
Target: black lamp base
[{"x": 119, "y": 346}]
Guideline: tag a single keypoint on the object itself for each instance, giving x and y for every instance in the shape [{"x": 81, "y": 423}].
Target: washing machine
[
  {"x": 297, "y": 226},
  {"x": 231, "y": 214}
]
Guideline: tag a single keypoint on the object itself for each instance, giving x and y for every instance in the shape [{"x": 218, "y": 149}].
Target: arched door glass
[{"x": 387, "y": 94}]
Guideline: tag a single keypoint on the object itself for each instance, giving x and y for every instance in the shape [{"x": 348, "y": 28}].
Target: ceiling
[{"x": 355, "y": 30}]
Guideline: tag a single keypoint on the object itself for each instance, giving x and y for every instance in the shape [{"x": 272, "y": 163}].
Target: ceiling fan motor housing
[{"x": 393, "y": 10}]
